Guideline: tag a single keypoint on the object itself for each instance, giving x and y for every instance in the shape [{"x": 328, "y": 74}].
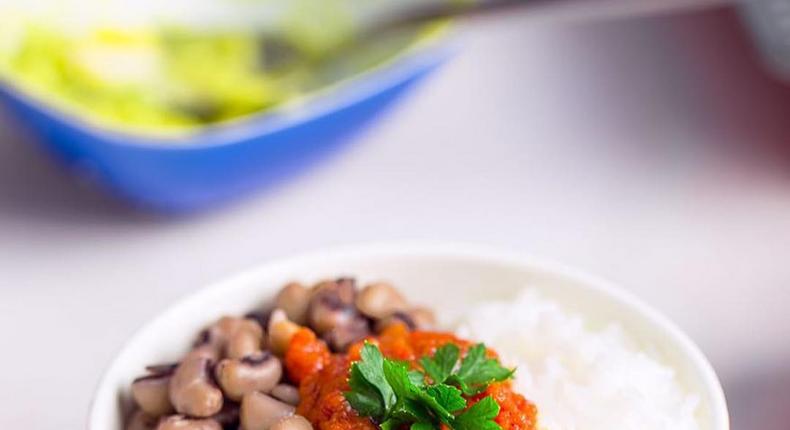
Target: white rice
[{"x": 580, "y": 379}]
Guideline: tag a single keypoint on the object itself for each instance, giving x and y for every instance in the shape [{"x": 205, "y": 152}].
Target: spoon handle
[{"x": 430, "y": 10}]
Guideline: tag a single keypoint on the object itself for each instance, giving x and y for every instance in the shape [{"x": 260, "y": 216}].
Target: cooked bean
[
  {"x": 332, "y": 305},
  {"x": 141, "y": 421},
  {"x": 180, "y": 422},
  {"x": 160, "y": 369},
  {"x": 342, "y": 336},
  {"x": 328, "y": 312},
  {"x": 192, "y": 390},
  {"x": 286, "y": 393},
  {"x": 207, "y": 345},
  {"x": 333, "y": 315},
  {"x": 380, "y": 300},
  {"x": 260, "y": 411},
  {"x": 281, "y": 330},
  {"x": 151, "y": 393},
  {"x": 260, "y": 317},
  {"x": 423, "y": 317},
  {"x": 344, "y": 288},
  {"x": 415, "y": 319},
  {"x": 245, "y": 340},
  {"x": 239, "y": 336},
  {"x": 257, "y": 372},
  {"x": 227, "y": 325},
  {"x": 229, "y": 337},
  {"x": 296, "y": 422},
  {"x": 396, "y": 318},
  {"x": 294, "y": 299},
  {"x": 228, "y": 417}
]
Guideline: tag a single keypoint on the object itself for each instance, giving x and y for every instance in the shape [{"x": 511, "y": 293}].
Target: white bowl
[{"x": 447, "y": 276}]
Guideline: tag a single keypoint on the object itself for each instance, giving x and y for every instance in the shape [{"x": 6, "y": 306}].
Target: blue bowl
[{"x": 223, "y": 161}]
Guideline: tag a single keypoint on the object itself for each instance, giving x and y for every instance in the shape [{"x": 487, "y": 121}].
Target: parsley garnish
[
  {"x": 441, "y": 365},
  {"x": 396, "y": 397},
  {"x": 479, "y": 417},
  {"x": 478, "y": 371}
]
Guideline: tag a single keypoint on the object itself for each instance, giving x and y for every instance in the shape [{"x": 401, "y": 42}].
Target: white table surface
[{"x": 654, "y": 152}]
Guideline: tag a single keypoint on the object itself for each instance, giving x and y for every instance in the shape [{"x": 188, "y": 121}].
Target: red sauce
[{"x": 323, "y": 377}]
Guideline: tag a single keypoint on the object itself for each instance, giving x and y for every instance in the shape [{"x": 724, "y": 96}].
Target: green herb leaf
[
  {"x": 435, "y": 407},
  {"x": 441, "y": 365},
  {"x": 417, "y": 378},
  {"x": 391, "y": 424},
  {"x": 396, "y": 397},
  {"x": 372, "y": 369},
  {"x": 397, "y": 375},
  {"x": 366, "y": 405},
  {"x": 479, "y": 417},
  {"x": 478, "y": 371},
  {"x": 414, "y": 411},
  {"x": 474, "y": 358},
  {"x": 448, "y": 396},
  {"x": 364, "y": 397}
]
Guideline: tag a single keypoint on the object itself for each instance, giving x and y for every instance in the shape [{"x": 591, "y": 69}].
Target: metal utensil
[{"x": 410, "y": 13}]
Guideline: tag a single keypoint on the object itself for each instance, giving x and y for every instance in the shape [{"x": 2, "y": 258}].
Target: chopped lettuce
[{"x": 169, "y": 78}]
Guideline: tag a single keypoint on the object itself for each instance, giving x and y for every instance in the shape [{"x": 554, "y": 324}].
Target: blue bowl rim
[{"x": 421, "y": 56}]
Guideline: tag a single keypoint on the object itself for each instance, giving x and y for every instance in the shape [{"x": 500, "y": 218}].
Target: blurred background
[{"x": 651, "y": 147}]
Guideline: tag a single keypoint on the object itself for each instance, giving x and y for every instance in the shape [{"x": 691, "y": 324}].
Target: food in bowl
[
  {"x": 579, "y": 377},
  {"x": 163, "y": 78},
  {"x": 336, "y": 357}
]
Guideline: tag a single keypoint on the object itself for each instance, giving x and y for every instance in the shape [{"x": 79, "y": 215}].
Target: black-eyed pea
[
  {"x": 281, "y": 331},
  {"x": 342, "y": 336},
  {"x": 296, "y": 422},
  {"x": 294, "y": 300},
  {"x": 151, "y": 393},
  {"x": 286, "y": 393},
  {"x": 141, "y": 421},
  {"x": 344, "y": 288},
  {"x": 332, "y": 305},
  {"x": 192, "y": 390},
  {"x": 246, "y": 339},
  {"x": 180, "y": 422},
  {"x": 260, "y": 411},
  {"x": 161, "y": 369},
  {"x": 417, "y": 318},
  {"x": 424, "y": 318},
  {"x": 257, "y": 372},
  {"x": 228, "y": 417},
  {"x": 380, "y": 300},
  {"x": 208, "y": 344},
  {"x": 327, "y": 313}
]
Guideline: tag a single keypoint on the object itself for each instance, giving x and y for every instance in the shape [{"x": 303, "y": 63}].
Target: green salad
[{"x": 171, "y": 79}]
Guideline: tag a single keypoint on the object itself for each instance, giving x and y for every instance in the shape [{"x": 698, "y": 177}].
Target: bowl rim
[
  {"x": 440, "y": 249},
  {"x": 422, "y": 54}
]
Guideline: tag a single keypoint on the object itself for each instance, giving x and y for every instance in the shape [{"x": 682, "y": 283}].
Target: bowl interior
[
  {"x": 448, "y": 278},
  {"x": 331, "y": 78}
]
